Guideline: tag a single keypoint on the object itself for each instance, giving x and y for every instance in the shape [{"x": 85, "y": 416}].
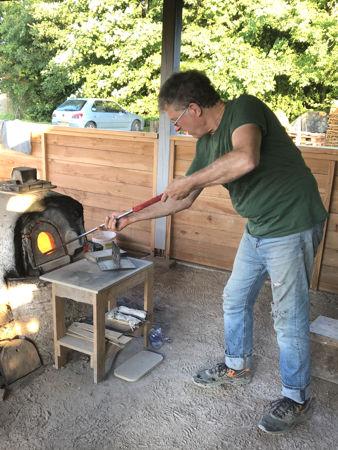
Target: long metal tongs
[{"x": 133, "y": 210}]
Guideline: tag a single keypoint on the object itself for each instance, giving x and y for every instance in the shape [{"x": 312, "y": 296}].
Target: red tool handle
[{"x": 147, "y": 203}]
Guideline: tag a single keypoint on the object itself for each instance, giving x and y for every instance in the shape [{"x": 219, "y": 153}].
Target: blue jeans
[{"x": 288, "y": 261}]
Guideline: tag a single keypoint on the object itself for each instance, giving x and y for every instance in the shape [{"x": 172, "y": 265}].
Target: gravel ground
[{"x": 63, "y": 409}]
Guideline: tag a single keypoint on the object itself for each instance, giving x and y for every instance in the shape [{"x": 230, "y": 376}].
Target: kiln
[{"x": 34, "y": 220}]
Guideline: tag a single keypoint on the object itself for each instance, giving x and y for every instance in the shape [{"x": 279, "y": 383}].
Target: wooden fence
[
  {"x": 107, "y": 170},
  {"x": 103, "y": 170},
  {"x": 209, "y": 232}
]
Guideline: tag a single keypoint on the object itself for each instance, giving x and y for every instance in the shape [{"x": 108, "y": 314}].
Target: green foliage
[{"x": 283, "y": 51}]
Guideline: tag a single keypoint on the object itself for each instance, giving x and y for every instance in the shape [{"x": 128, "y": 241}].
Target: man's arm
[
  {"x": 244, "y": 157},
  {"x": 159, "y": 209}
]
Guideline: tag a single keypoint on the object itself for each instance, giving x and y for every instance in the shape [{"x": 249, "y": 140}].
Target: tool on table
[
  {"x": 111, "y": 259},
  {"x": 134, "y": 209}
]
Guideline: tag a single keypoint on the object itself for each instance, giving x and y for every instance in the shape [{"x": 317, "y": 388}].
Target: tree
[
  {"x": 24, "y": 56},
  {"x": 283, "y": 51}
]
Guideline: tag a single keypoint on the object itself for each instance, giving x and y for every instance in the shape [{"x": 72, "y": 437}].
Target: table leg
[
  {"x": 60, "y": 353},
  {"x": 99, "y": 338},
  {"x": 111, "y": 303},
  {"x": 148, "y": 303}
]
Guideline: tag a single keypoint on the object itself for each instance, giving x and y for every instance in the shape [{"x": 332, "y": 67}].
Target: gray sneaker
[
  {"x": 284, "y": 415},
  {"x": 221, "y": 374}
]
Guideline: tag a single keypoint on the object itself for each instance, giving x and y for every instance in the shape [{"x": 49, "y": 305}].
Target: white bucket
[{"x": 105, "y": 238}]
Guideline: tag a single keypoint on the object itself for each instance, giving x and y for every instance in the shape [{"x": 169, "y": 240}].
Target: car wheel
[
  {"x": 90, "y": 125},
  {"x": 136, "y": 125}
]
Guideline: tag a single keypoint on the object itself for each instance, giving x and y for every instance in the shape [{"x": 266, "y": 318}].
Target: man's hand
[
  {"x": 110, "y": 222},
  {"x": 178, "y": 189}
]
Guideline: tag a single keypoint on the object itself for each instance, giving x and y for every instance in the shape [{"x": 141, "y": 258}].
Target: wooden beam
[
  {"x": 170, "y": 62},
  {"x": 327, "y": 201},
  {"x": 44, "y": 157},
  {"x": 169, "y": 219}
]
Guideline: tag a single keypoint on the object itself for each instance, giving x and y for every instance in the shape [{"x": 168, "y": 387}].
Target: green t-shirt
[{"x": 280, "y": 196}]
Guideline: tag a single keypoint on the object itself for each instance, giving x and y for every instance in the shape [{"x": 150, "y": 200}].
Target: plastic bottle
[{"x": 155, "y": 337}]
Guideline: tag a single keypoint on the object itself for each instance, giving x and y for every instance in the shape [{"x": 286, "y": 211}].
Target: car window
[
  {"x": 114, "y": 107},
  {"x": 99, "y": 106},
  {"x": 71, "y": 105}
]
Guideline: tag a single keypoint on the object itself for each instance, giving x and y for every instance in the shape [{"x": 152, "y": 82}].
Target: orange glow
[
  {"x": 20, "y": 203},
  {"x": 45, "y": 242},
  {"x": 33, "y": 326},
  {"x": 17, "y": 295},
  {"x": 19, "y": 327}
]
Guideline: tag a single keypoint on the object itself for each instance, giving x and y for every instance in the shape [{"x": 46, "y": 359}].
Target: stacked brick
[{"x": 331, "y": 139}]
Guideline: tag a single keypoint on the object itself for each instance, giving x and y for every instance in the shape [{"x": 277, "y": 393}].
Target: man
[{"x": 242, "y": 146}]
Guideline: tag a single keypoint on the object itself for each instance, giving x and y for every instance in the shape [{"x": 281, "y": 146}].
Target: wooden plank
[
  {"x": 138, "y": 193},
  {"x": 86, "y": 331},
  {"x": 139, "y": 229},
  {"x": 169, "y": 218},
  {"x": 59, "y": 327},
  {"x": 322, "y": 180},
  {"x": 330, "y": 258},
  {"x": 327, "y": 201},
  {"x": 113, "y": 159},
  {"x": 331, "y": 240},
  {"x": 319, "y": 152},
  {"x": 219, "y": 256},
  {"x": 94, "y": 213},
  {"x": 106, "y": 173},
  {"x": 197, "y": 233},
  {"x": 109, "y": 144},
  {"x": 155, "y": 172},
  {"x": 318, "y": 165},
  {"x": 35, "y": 152},
  {"x": 77, "y": 343},
  {"x": 334, "y": 199},
  {"x": 100, "y": 133},
  {"x": 11, "y": 159},
  {"x": 44, "y": 157},
  {"x": 185, "y": 153},
  {"x": 213, "y": 205},
  {"x": 221, "y": 222},
  {"x": 181, "y": 167},
  {"x": 81, "y": 326},
  {"x": 328, "y": 279},
  {"x": 332, "y": 224},
  {"x": 102, "y": 204}
]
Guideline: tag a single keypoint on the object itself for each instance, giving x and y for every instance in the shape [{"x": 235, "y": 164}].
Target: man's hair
[{"x": 183, "y": 88}]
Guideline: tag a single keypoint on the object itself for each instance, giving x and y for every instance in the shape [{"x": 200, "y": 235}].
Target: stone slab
[
  {"x": 325, "y": 326},
  {"x": 138, "y": 365},
  {"x": 86, "y": 276}
]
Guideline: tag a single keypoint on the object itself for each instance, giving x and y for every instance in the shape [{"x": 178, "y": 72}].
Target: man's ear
[{"x": 195, "y": 107}]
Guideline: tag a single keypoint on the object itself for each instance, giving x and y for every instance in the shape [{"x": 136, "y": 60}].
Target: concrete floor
[{"x": 63, "y": 409}]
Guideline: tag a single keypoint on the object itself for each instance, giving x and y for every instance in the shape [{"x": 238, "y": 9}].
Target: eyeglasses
[{"x": 174, "y": 123}]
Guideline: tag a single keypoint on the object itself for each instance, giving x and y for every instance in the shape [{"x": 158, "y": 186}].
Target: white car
[{"x": 96, "y": 113}]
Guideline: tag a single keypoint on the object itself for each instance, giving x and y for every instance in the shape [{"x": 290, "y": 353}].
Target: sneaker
[
  {"x": 221, "y": 374},
  {"x": 284, "y": 415}
]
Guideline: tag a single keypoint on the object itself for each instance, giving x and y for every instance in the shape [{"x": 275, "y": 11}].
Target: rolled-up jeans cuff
[
  {"x": 297, "y": 395},
  {"x": 238, "y": 363}
]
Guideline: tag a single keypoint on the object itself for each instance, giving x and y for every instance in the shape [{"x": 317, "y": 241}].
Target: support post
[{"x": 171, "y": 44}]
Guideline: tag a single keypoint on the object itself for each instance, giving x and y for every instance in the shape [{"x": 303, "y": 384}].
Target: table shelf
[{"x": 77, "y": 343}]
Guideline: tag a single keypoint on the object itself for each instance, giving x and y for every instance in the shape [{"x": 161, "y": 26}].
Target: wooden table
[{"x": 83, "y": 281}]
